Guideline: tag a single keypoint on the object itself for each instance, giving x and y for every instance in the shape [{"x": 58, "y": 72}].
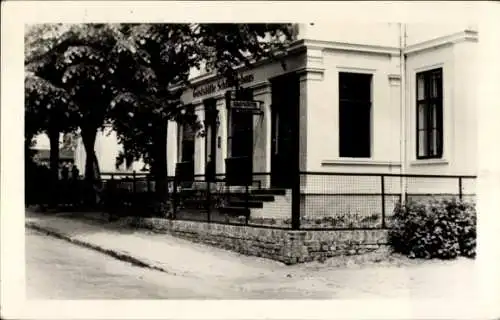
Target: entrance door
[
  {"x": 285, "y": 130},
  {"x": 239, "y": 165}
]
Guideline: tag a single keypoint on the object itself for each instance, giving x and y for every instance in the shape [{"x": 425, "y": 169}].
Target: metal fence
[
  {"x": 319, "y": 200},
  {"x": 365, "y": 201}
]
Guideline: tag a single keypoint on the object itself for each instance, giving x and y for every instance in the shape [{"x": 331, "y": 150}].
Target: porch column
[
  {"x": 262, "y": 132},
  {"x": 171, "y": 147},
  {"x": 312, "y": 125},
  {"x": 221, "y": 150},
  {"x": 199, "y": 144},
  {"x": 312, "y": 110}
]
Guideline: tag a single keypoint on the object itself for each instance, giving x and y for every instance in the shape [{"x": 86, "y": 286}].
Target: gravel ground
[{"x": 57, "y": 269}]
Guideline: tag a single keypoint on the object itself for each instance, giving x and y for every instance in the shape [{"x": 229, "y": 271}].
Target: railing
[
  {"x": 317, "y": 201},
  {"x": 367, "y": 201}
]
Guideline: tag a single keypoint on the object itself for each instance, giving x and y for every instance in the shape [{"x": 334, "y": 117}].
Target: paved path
[
  {"x": 56, "y": 269},
  {"x": 198, "y": 270}
]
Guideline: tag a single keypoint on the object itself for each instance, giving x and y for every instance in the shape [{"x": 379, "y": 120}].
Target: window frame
[
  {"x": 428, "y": 128},
  {"x": 368, "y": 104}
]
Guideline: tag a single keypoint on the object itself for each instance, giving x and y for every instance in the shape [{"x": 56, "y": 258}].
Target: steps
[
  {"x": 256, "y": 199},
  {"x": 236, "y": 203}
]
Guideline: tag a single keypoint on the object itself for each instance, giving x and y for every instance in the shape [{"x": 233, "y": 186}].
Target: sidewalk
[
  {"x": 157, "y": 251},
  {"x": 258, "y": 278}
]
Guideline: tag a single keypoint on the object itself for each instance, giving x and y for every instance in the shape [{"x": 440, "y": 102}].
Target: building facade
[{"x": 374, "y": 98}]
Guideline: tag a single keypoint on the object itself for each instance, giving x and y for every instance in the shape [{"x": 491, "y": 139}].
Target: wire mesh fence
[
  {"x": 318, "y": 200},
  {"x": 354, "y": 201}
]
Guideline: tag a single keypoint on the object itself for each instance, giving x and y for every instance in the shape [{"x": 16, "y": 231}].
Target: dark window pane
[
  {"x": 422, "y": 116},
  {"x": 420, "y": 87},
  {"x": 355, "y": 86},
  {"x": 422, "y": 146},
  {"x": 354, "y": 115},
  {"x": 429, "y": 114},
  {"x": 355, "y": 128}
]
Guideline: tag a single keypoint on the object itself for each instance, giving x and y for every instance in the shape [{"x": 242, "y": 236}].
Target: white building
[{"x": 373, "y": 98}]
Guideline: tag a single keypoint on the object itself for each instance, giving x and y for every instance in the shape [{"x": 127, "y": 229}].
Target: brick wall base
[{"x": 287, "y": 246}]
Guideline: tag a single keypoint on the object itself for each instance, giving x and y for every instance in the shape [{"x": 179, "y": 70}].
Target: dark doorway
[
  {"x": 211, "y": 132},
  {"x": 285, "y": 130},
  {"x": 239, "y": 165},
  {"x": 186, "y": 136}
]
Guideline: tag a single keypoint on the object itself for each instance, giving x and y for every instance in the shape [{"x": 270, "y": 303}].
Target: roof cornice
[
  {"x": 466, "y": 35},
  {"x": 295, "y": 47},
  {"x": 353, "y": 47}
]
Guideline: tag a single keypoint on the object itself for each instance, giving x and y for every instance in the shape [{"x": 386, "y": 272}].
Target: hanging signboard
[{"x": 245, "y": 106}]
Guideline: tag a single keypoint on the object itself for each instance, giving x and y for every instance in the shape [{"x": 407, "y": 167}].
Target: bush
[{"x": 441, "y": 229}]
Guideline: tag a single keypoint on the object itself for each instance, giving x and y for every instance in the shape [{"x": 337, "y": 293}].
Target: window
[
  {"x": 430, "y": 114},
  {"x": 355, "y": 115}
]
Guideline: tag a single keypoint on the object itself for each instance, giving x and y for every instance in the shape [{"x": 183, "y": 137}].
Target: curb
[{"x": 109, "y": 252}]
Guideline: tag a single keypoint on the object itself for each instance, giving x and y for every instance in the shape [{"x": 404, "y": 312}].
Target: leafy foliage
[
  {"x": 46, "y": 106},
  {"x": 74, "y": 58},
  {"x": 132, "y": 76},
  {"x": 154, "y": 58},
  {"x": 230, "y": 46},
  {"x": 151, "y": 59},
  {"x": 437, "y": 229}
]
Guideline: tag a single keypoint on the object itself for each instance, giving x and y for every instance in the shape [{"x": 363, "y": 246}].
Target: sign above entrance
[
  {"x": 243, "y": 104},
  {"x": 218, "y": 86},
  {"x": 249, "y": 106}
]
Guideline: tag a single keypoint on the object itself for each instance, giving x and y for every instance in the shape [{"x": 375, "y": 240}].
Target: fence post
[
  {"x": 208, "y": 199},
  {"x": 148, "y": 181},
  {"x": 133, "y": 181},
  {"x": 382, "y": 187},
  {"x": 112, "y": 192},
  {"x": 174, "y": 199},
  {"x": 460, "y": 194},
  {"x": 296, "y": 202},
  {"x": 246, "y": 202}
]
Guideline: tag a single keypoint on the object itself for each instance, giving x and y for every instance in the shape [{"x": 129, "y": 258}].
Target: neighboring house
[
  {"x": 107, "y": 149},
  {"x": 373, "y": 98},
  {"x": 42, "y": 156}
]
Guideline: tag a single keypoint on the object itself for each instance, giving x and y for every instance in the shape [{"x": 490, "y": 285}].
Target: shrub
[{"x": 441, "y": 229}]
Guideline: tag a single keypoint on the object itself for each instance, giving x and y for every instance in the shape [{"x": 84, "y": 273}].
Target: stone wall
[{"x": 287, "y": 246}]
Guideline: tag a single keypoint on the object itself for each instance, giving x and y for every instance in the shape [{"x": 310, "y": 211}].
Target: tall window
[
  {"x": 430, "y": 114},
  {"x": 355, "y": 115}
]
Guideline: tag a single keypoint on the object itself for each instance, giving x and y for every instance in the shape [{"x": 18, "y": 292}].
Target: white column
[
  {"x": 199, "y": 144},
  {"x": 221, "y": 150},
  {"x": 262, "y": 132},
  {"x": 171, "y": 147},
  {"x": 313, "y": 127},
  {"x": 312, "y": 130},
  {"x": 262, "y": 129}
]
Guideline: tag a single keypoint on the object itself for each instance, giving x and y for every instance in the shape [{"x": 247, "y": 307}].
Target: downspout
[{"x": 403, "y": 133}]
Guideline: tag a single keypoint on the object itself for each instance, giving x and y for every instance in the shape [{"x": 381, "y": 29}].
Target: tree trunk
[
  {"x": 89, "y": 135},
  {"x": 54, "y": 166},
  {"x": 159, "y": 169}
]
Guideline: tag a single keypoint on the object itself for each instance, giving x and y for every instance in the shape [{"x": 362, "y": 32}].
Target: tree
[
  {"x": 158, "y": 58},
  {"x": 48, "y": 109},
  {"x": 145, "y": 65},
  {"x": 74, "y": 58}
]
